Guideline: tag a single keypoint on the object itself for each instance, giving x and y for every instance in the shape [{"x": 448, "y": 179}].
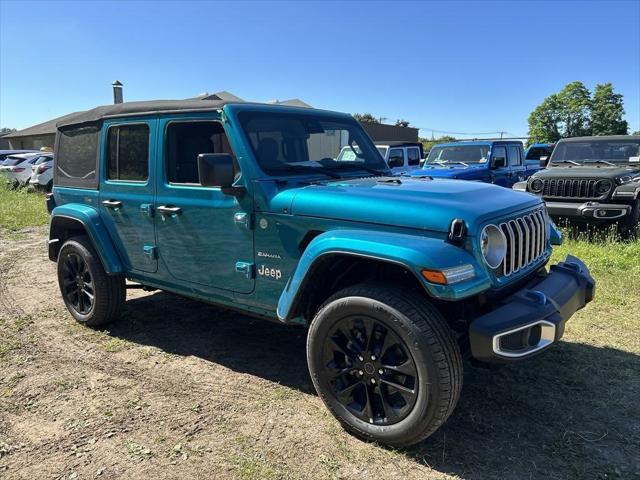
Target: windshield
[
  {"x": 293, "y": 143},
  {"x": 613, "y": 151},
  {"x": 534, "y": 153},
  {"x": 461, "y": 154},
  {"x": 13, "y": 161}
]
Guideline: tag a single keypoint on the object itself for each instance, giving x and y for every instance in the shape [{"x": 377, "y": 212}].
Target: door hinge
[
  {"x": 150, "y": 251},
  {"x": 243, "y": 220},
  {"x": 246, "y": 268}
]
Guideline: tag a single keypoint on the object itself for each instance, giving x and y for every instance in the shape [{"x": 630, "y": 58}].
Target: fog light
[{"x": 449, "y": 276}]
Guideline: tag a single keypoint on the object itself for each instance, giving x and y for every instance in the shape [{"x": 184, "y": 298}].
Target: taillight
[
  {"x": 43, "y": 168},
  {"x": 18, "y": 169}
]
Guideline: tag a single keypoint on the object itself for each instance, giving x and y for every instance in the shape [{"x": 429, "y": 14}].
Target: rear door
[
  {"x": 517, "y": 171},
  {"x": 413, "y": 158},
  {"x": 127, "y": 190}
]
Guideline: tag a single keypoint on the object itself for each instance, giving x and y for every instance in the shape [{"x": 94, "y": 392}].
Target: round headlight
[
  {"x": 603, "y": 186},
  {"x": 536, "y": 185},
  {"x": 493, "y": 245}
]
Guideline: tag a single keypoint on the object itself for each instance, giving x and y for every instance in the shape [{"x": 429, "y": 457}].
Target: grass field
[
  {"x": 20, "y": 208},
  {"x": 176, "y": 389}
]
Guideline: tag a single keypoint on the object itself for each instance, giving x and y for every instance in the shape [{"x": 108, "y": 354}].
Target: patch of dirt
[{"x": 178, "y": 389}]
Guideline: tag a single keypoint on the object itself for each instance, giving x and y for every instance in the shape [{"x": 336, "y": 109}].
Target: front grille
[
  {"x": 526, "y": 241},
  {"x": 570, "y": 188}
]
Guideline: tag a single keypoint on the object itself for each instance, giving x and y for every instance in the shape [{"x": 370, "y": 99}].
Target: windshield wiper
[
  {"x": 370, "y": 170},
  {"x": 458, "y": 161},
  {"x": 601, "y": 161},
  {"x": 302, "y": 168},
  {"x": 567, "y": 161}
]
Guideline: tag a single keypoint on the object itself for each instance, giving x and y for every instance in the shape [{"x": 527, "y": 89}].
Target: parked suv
[
  {"x": 246, "y": 206},
  {"x": 42, "y": 174},
  {"x": 401, "y": 156},
  {"x": 500, "y": 162},
  {"x": 592, "y": 179}
]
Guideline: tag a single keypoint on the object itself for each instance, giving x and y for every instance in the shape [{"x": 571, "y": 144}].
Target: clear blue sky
[{"x": 455, "y": 66}]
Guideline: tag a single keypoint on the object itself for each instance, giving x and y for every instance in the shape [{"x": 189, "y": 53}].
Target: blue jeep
[
  {"x": 500, "y": 162},
  {"x": 247, "y": 206}
]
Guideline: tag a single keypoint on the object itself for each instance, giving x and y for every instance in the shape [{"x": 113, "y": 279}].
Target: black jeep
[{"x": 592, "y": 179}]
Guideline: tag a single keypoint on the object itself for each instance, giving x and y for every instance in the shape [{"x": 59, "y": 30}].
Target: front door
[
  {"x": 499, "y": 172},
  {"x": 205, "y": 237},
  {"x": 126, "y": 190},
  {"x": 396, "y": 160}
]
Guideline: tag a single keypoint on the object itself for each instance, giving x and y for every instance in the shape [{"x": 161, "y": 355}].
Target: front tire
[
  {"x": 628, "y": 226},
  {"x": 385, "y": 363},
  {"x": 92, "y": 297}
]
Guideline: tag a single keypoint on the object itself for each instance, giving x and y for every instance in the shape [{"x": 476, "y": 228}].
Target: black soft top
[
  {"x": 605, "y": 138},
  {"x": 140, "y": 108}
]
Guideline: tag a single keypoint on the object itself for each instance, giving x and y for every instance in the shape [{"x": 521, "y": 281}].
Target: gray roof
[
  {"x": 44, "y": 128},
  {"x": 603, "y": 137}
]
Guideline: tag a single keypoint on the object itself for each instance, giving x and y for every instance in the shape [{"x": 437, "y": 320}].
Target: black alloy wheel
[
  {"x": 371, "y": 370},
  {"x": 385, "y": 363},
  {"x": 93, "y": 297},
  {"x": 77, "y": 284}
]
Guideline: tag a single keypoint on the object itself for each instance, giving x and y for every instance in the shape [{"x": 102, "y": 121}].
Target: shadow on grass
[{"x": 572, "y": 412}]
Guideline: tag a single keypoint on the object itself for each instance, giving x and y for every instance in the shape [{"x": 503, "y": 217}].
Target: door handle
[
  {"x": 172, "y": 212},
  {"x": 114, "y": 204}
]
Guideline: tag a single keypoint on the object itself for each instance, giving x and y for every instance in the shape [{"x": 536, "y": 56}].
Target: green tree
[
  {"x": 544, "y": 121},
  {"x": 636, "y": 133},
  {"x": 575, "y": 108},
  {"x": 365, "y": 118},
  {"x": 607, "y": 110},
  {"x": 402, "y": 123},
  {"x": 6, "y": 131},
  {"x": 428, "y": 143}
]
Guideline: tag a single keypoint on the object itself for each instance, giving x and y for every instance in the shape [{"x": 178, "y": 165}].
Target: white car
[
  {"x": 401, "y": 156},
  {"x": 17, "y": 168},
  {"x": 42, "y": 174}
]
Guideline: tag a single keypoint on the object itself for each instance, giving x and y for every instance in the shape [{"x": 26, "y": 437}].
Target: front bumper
[
  {"x": 533, "y": 318},
  {"x": 588, "y": 210}
]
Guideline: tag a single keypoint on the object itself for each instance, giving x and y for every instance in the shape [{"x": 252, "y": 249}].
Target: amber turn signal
[{"x": 434, "y": 276}]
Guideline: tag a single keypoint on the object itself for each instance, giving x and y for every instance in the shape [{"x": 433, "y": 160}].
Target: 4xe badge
[{"x": 270, "y": 272}]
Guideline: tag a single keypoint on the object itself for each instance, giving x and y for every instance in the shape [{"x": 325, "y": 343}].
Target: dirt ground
[{"x": 177, "y": 389}]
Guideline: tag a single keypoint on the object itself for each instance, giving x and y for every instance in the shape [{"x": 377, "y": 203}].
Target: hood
[
  {"x": 591, "y": 171},
  {"x": 449, "y": 171},
  {"x": 404, "y": 202}
]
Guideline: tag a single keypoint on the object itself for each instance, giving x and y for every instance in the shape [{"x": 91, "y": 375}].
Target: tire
[
  {"x": 405, "y": 332},
  {"x": 80, "y": 269},
  {"x": 629, "y": 225}
]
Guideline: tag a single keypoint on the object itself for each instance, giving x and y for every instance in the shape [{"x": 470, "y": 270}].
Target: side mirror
[
  {"x": 544, "y": 161},
  {"x": 499, "y": 162},
  {"x": 217, "y": 170}
]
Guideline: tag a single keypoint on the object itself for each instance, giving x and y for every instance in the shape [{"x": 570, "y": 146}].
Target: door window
[
  {"x": 499, "y": 152},
  {"x": 185, "y": 141},
  {"x": 514, "y": 156},
  {"x": 128, "y": 152},
  {"x": 413, "y": 155},
  {"x": 396, "y": 157}
]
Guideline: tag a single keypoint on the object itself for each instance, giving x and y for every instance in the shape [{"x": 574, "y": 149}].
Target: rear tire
[
  {"x": 92, "y": 297},
  {"x": 385, "y": 363}
]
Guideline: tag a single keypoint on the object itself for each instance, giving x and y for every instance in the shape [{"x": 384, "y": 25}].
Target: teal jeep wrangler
[{"x": 247, "y": 206}]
